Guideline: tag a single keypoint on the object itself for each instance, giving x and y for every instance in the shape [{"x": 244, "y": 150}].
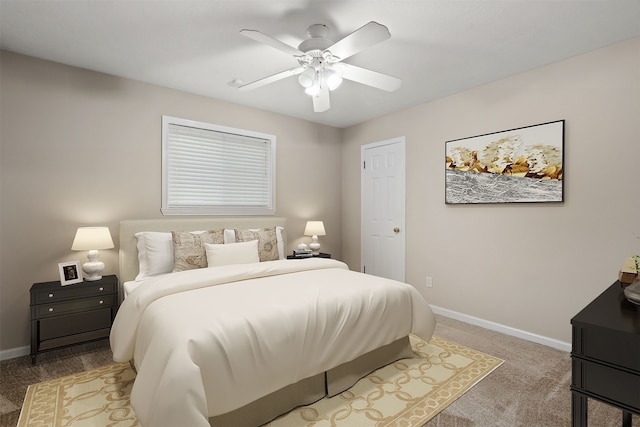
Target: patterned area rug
[{"x": 406, "y": 393}]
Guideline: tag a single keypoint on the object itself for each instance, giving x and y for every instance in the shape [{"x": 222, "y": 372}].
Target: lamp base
[
  {"x": 314, "y": 246},
  {"x": 93, "y": 268}
]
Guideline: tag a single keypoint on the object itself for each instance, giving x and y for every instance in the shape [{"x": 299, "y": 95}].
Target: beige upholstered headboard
[{"x": 128, "y": 229}]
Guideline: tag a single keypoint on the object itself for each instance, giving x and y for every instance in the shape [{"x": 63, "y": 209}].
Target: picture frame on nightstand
[{"x": 69, "y": 273}]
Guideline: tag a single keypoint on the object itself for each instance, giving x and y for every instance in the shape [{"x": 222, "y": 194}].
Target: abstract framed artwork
[{"x": 522, "y": 165}]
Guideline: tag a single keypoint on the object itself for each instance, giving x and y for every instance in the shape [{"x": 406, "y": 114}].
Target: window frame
[{"x": 269, "y": 209}]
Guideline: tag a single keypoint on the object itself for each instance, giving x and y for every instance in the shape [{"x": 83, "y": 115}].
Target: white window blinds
[{"x": 214, "y": 170}]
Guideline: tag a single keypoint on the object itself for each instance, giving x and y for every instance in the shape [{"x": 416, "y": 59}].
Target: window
[{"x": 215, "y": 170}]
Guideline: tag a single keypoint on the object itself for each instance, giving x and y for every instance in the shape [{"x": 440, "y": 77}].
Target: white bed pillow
[
  {"x": 234, "y": 253},
  {"x": 279, "y": 231},
  {"x": 142, "y": 256},
  {"x": 155, "y": 253},
  {"x": 230, "y": 237}
]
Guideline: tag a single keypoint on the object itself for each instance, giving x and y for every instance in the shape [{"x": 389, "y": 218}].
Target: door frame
[{"x": 397, "y": 140}]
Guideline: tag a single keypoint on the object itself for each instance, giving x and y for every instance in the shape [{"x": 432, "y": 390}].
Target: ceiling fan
[{"x": 320, "y": 67}]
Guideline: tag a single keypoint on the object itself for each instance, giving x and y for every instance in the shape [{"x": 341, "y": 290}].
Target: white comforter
[{"x": 203, "y": 350}]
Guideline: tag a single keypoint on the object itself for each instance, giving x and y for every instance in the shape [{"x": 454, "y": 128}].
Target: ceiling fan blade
[
  {"x": 366, "y": 36},
  {"x": 270, "y": 79},
  {"x": 321, "y": 101},
  {"x": 263, "y": 38},
  {"x": 369, "y": 77}
]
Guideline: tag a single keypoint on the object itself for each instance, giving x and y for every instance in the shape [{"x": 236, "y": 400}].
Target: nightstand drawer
[
  {"x": 51, "y": 310},
  {"x": 81, "y": 290},
  {"x": 73, "y": 339},
  {"x": 71, "y": 324}
]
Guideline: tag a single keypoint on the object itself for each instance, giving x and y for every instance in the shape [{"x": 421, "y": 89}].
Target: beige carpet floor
[
  {"x": 531, "y": 389},
  {"x": 408, "y": 392}
]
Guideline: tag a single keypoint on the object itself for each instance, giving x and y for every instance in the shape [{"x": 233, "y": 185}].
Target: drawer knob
[
  {"x": 50, "y": 295},
  {"x": 101, "y": 289},
  {"x": 101, "y": 302},
  {"x": 50, "y": 309}
]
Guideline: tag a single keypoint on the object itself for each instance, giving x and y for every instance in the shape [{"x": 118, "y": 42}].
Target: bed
[{"x": 241, "y": 343}]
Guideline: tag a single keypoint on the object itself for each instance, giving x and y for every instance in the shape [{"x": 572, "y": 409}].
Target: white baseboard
[
  {"x": 507, "y": 330},
  {"x": 14, "y": 352}
]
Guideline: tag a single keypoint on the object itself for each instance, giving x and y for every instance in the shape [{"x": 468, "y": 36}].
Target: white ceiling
[{"x": 437, "y": 47}]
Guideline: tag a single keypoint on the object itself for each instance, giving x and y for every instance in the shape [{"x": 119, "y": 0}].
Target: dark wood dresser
[
  {"x": 605, "y": 356},
  {"x": 72, "y": 314}
]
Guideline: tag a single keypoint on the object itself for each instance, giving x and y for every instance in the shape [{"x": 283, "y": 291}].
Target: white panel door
[{"x": 383, "y": 208}]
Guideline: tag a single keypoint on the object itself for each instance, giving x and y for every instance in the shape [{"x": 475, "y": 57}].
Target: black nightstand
[
  {"x": 72, "y": 314},
  {"x": 320, "y": 255}
]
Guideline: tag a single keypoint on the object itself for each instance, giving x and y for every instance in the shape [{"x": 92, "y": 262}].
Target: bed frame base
[{"x": 309, "y": 390}]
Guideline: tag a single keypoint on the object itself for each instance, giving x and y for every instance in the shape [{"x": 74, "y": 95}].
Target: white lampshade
[
  {"x": 314, "y": 229},
  {"x": 91, "y": 239},
  {"x": 88, "y": 238}
]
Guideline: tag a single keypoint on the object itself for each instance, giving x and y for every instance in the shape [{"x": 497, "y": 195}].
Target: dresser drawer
[
  {"x": 607, "y": 383},
  {"x": 614, "y": 347},
  {"x": 81, "y": 290},
  {"x": 50, "y": 310}
]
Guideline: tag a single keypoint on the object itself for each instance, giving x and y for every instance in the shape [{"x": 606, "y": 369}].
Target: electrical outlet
[{"x": 429, "y": 282}]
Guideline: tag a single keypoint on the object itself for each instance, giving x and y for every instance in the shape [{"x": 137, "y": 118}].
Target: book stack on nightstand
[{"x": 72, "y": 314}]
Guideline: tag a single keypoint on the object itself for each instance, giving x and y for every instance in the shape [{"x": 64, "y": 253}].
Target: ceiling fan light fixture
[
  {"x": 313, "y": 90},
  {"x": 331, "y": 78},
  {"x": 307, "y": 78}
]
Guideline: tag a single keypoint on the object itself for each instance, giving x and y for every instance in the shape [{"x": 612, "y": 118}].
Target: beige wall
[
  {"x": 527, "y": 266},
  {"x": 83, "y": 148},
  {"x": 530, "y": 267}
]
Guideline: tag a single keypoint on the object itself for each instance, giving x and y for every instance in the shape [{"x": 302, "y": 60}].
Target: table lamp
[
  {"x": 314, "y": 229},
  {"x": 91, "y": 239}
]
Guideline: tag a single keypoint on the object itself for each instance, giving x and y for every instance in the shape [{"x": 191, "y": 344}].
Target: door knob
[{"x": 396, "y": 230}]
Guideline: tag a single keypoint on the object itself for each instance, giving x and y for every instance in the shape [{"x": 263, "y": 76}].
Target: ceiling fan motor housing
[{"x": 317, "y": 40}]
